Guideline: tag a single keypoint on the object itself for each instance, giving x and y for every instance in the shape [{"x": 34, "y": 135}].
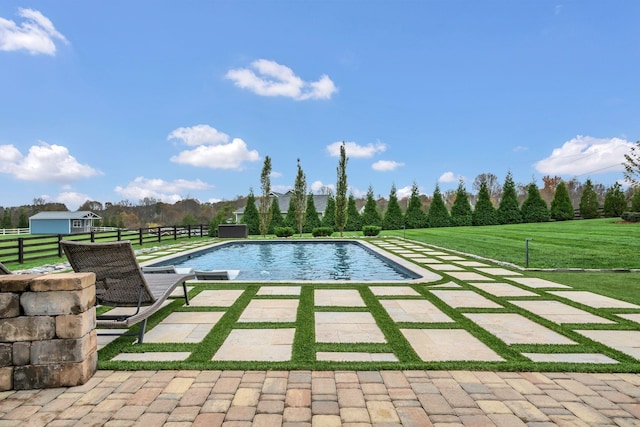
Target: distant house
[
  {"x": 62, "y": 222},
  {"x": 319, "y": 200}
]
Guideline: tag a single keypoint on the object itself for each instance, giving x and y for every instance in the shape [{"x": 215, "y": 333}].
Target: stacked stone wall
[{"x": 47, "y": 330}]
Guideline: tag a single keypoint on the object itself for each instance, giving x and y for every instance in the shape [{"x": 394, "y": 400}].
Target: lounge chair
[
  {"x": 216, "y": 274},
  {"x": 165, "y": 269},
  {"x": 121, "y": 283},
  {"x": 4, "y": 270}
]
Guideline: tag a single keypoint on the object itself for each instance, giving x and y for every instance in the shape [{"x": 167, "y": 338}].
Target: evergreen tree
[
  {"x": 264, "y": 207},
  {"x": 461, "y": 214},
  {"x": 341, "y": 191},
  {"x": 189, "y": 219},
  {"x": 23, "y": 221},
  {"x": 589, "y": 201},
  {"x": 508, "y": 210},
  {"x": 534, "y": 208},
  {"x": 329, "y": 218},
  {"x": 250, "y": 216},
  {"x": 484, "y": 213},
  {"x": 6, "y": 219},
  {"x": 415, "y": 217},
  {"x": 635, "y": 201},
  {"x": 299, "y": 197},
  {"x": 290, "y": 217},
  {"x": 614, "y": 201},
  {"x": 311, "y": 218},
  {"x": 370, "y": 215},
  {"x": 354, "y": 222},
  {"x": 276, "y": 216},
  {"x": 393, "y": 219},
  {"x": 438, "y": 215},
  {"x": 561, "y": 206}
]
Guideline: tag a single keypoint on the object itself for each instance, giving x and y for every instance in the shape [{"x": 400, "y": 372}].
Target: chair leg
[
  {"x": 143, "y": 326},
  {"x": 186, "y": 295}
]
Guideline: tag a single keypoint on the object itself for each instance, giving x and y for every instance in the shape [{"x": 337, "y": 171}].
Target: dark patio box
[{"x": 233, "y": 231}]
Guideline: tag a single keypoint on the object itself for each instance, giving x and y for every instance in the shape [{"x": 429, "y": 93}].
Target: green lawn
[{"x": 585, "y": 244}]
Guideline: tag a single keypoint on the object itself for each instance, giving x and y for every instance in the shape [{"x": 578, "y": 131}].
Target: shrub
[
  {"x": 322, "y": 231},
  {"x": 438, "y": 215},
  {"x": 461, "y": 213},
  {"x": 284, "y": 231},
  {"x": 534, "y": 208},
  {"x": 635, "y": 201},
  {"x": 508, "y": 210},
  {"x": 589, "y": 202},
  {"x": 614, "y": 201},
  {"x": 561, "y": 206},
  {"x": 631, "y": 216},
  {"x": 371, "y": 230}
]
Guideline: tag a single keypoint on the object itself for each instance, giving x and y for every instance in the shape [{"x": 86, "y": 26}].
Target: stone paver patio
[{"x": 493, "y": 298}]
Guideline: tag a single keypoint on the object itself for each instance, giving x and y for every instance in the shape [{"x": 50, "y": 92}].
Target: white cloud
[
  {"x": 227, "y": 156},
  {"x": 273, "y": 79},
  {"x": 275, "y": 174},
  {"x": 199, "y": 135},
  {"x": 44, "y": 162},
  {"x": 386, "y": 165},
  {"x": 404, "y": 192},
  {"x": 71, "y": 199},
  {"x": 319, "y": 187},
  {"x": 36, "y": 34},
  {"x": 520, "y": 148},
  {"x": 448, "y": 177},
  {"x": 213, "y": 149},
  {"x": 585, "y": 155},
  {"x": 166, "y": 191},
  {"x": 279, "y": 188},
  {"x": 354, "y": 150}
]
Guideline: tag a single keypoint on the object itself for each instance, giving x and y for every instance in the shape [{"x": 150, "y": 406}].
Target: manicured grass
[{"x": 587, "y": 244}]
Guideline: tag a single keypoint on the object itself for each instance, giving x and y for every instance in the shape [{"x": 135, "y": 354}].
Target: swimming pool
[{"x": 299, "y": 260}]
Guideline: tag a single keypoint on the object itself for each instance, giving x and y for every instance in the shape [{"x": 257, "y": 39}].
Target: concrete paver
[{"x": 516, "y": 329}]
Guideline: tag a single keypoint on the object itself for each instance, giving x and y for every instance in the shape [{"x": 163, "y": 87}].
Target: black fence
[{"x": 22, "y": 249}]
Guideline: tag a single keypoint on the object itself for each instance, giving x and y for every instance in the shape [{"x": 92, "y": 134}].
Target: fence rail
[
  {"x": 13, "y": 231},
  {"x": 22, "y": 249}
]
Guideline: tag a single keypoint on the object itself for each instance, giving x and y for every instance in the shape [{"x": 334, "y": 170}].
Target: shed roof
[{"x": 65, "y": 215}]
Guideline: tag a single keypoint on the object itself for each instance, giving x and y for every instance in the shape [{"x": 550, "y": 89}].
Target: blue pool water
[{"x": 265, "y": 261}]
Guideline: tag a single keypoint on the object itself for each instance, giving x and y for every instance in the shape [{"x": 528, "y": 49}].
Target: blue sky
[{"x": 120, "y": 100}]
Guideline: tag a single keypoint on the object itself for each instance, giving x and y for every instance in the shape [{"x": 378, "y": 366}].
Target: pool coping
[{"x": 426, "y": 276}]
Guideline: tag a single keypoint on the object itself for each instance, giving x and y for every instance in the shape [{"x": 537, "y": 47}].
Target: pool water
[{"x": 264, "y": 261}]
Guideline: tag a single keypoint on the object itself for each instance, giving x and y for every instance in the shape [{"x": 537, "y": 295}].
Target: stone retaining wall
[{"x": 47, "y": 330}]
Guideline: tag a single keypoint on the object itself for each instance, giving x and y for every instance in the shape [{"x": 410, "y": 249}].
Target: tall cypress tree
[
  {"x": 341, "y": 191},
  {"x": 484, "y": 213},
  {"x": 393, "y": 219},
  {"x": 250, "y": 216},
  {"x": 561, "y": 206},
  {"x": 438, "y": 214},
  {"x": 589, "y": 201},
  {"x": 354, "y": 222},
  {"x": 371, "y": 216},
  {"x": 329, "y": 217},
  {"x": 415, "y": 217},
  {"x": 461, "y": 214},
  {"x": 534, "y": 208},
  {"x": 311, "y": 218},
  {"x": 299, "y": 197},
  {"x": 264, "y": 207},
  {"x": 509, "y": 210}
]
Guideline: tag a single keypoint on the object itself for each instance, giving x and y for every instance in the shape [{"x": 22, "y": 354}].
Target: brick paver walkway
[{"x": 331, "y": 398}]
